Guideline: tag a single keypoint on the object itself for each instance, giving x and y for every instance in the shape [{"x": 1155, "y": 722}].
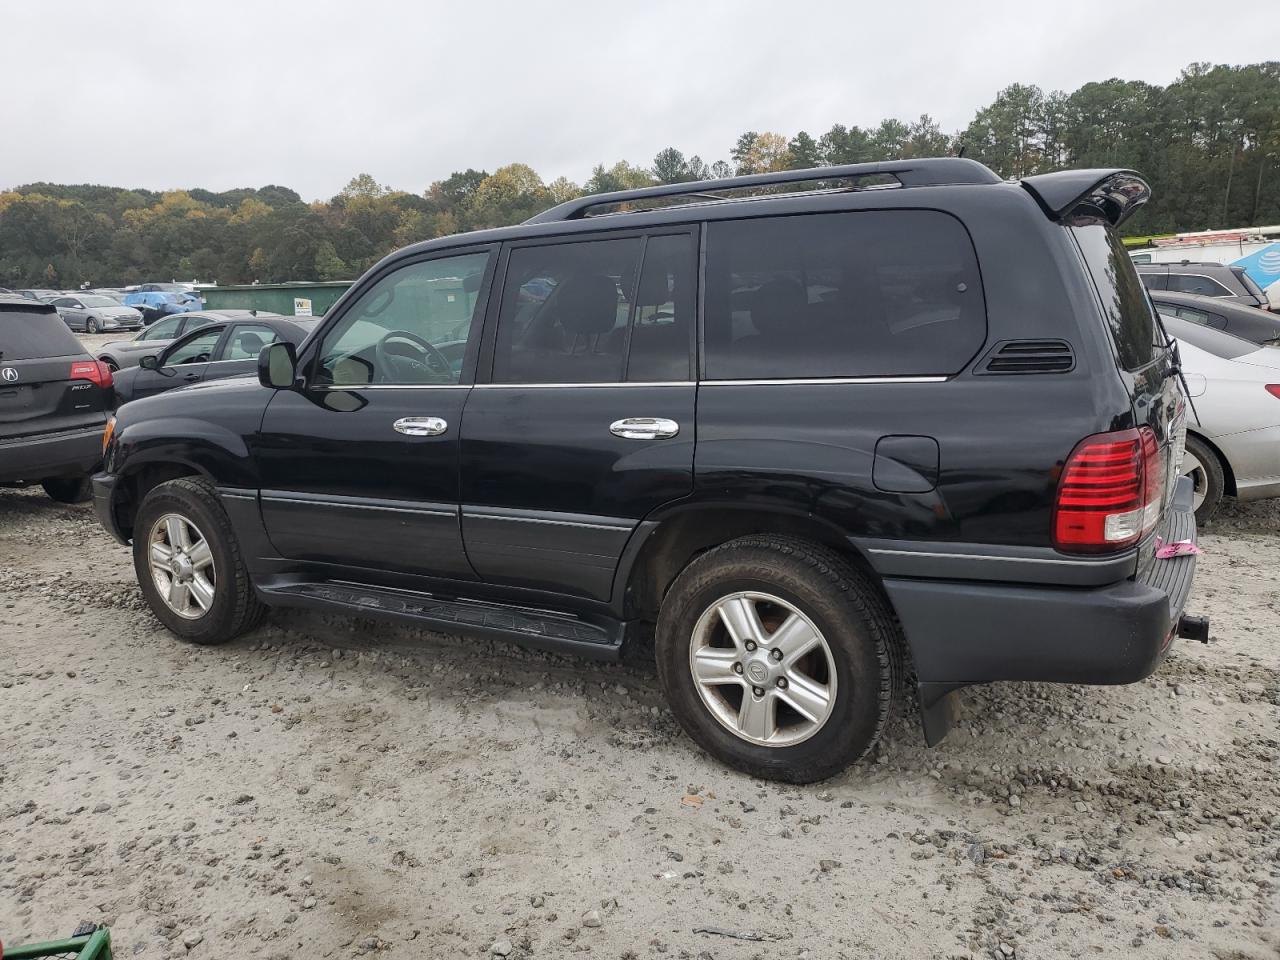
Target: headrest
[
  {"x": 587, "y": 304},
  {"x": 778, "y": 305}
]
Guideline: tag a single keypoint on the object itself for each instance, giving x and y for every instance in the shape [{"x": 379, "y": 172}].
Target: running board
[{"x": 542, "y": 629}]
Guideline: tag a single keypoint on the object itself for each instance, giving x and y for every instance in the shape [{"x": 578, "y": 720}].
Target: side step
[{"x": 541, "y": 629}]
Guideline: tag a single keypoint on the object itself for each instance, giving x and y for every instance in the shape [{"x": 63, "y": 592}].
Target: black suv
[
  {"x": 914, "y": 427},
  {"x": 54, "y": 399}
]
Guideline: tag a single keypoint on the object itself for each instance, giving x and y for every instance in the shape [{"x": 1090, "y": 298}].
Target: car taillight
[
  {"x": 93, "y": 370},
  {"x": 1109, "y": 492},
  {"x": 1273, "y": 389}
]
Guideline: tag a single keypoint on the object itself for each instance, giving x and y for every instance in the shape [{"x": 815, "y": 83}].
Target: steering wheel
[{"x": 394, "y": 367}]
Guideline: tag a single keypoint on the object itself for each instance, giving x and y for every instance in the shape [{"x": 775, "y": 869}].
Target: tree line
[{"x": 1209, "y": 144}]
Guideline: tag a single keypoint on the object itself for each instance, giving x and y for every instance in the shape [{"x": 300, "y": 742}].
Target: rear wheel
[
  {"x": 67, "y": 489},
  {"x": 1202, "y": 465},
  {"x": 777, "y": 657},
  {"x": 111, "y": 364},
  {"x": 189, "y": 566}
]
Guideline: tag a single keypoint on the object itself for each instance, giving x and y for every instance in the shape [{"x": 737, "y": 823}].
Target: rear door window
[
  {"x": 865, "y": 294},
  {"x": 1197, "y": 284},
  {"x": 1125, "y": 305},
  {"x": 247, "y": 340},
  {"x": 565, "y": 310},
  {"x": 34, "y": 335}
]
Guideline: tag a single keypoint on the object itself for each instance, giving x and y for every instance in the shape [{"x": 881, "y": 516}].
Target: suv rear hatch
[
  {"x": 1142, "y": 350},
  {"x": 48, "y": 383}
]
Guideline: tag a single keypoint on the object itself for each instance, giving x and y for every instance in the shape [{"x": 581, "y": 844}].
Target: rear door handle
[
  {"x": 644, "y": 428},
  {"x": 421, "y": 426}
]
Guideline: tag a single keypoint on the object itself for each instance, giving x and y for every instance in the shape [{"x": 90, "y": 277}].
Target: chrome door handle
[
  {"x": 644, "y": 428},
  {"x": 421, "y": 426}
]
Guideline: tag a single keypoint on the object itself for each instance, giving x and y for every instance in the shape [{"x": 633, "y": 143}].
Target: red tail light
[
  {"x": 1273, "y": 389},
  {"x": 92, "y": 370},
  {"x": 1109, "y": 492}
]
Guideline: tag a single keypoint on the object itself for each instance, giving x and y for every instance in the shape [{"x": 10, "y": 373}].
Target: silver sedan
[
  {"x": 1233, "y": 428},
  {"x": 94, "y": 313}
]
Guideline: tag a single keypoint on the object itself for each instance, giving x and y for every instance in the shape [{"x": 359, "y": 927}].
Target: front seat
[{"x": 568, "y": 336}]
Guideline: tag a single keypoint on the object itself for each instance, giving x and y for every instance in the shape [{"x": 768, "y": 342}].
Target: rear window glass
[
  {"x": 1125, "y": 306},
  {"x": 865, "y": 294},
  {"x": 31, "y": 335},
  {"x": 1250, "y": 284}
]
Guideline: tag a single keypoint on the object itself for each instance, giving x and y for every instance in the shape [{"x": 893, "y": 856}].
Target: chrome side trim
[
  {"x": 881, "y": 551},
  {"x": 349, "y": 505},
  {"x": 390, "y": 386},
  {"x": 475, "y": 515},
  {"x": 821, "y": 380},
  {"x": 237, "y": 493},
  {"x": 625, "y": 383}
]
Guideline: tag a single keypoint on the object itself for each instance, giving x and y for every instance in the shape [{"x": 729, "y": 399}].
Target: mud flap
[{"x": 939, "y": 709}]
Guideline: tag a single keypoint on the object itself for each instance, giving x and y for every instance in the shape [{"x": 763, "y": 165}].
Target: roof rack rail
[{"x": 925, "y": 172}]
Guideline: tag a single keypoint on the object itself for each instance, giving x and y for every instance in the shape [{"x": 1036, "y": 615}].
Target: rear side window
[
  {"x": 1125, "y": 306},
  {"x": 876, "y": 293},
  {"x": 1195, "y": 283},
  {"x": 1250, "y": 284},
  {"x": 34, "y": 335}
]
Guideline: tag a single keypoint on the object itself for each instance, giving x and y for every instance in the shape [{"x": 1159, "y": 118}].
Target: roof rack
[{"x": 925, "y": 172}]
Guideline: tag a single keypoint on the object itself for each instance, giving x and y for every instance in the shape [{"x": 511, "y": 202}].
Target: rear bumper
[
  {"x": 962, "y": 633},
  {"x": 104, "y": 490},
  {"x": 64, "y": 454}
]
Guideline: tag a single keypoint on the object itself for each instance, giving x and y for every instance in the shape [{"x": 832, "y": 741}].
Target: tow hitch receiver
[{"x": 1193, "y": 628}]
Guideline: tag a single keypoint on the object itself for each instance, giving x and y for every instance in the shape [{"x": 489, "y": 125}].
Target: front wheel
[
  {"x": 92, "y": 325},
  {"x": 778, "y": 657},
  {"x": 189, "y": 566}
]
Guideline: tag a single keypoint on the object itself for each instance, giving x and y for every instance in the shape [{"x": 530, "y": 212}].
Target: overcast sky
[{"x": 226, "y": 93}]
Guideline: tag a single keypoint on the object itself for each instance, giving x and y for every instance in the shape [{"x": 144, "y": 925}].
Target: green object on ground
[{"x": 91, "y": 946}]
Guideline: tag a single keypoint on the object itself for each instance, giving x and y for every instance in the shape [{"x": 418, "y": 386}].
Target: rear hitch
[{"x": 1193, "y": 628}]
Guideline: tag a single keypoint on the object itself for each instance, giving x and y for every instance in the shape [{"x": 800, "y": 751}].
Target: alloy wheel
[
  {"x": 1193, "y": 468},
  {"x": 182, "y": 567},
  {"x": 762, "y": 669}
]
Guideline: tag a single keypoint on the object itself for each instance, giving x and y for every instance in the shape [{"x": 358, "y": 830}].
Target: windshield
[
  {"x": 1209, "y": 339},
  {"x": 99, "y": 302}
]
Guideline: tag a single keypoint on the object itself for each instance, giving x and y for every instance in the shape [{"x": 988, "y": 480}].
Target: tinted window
[
  {"x": 879, "y": 293},
  {"x": 661, "y": 331},
  {"x": 1193, "y": 283},
  {"x": 410, "y": 327},
  {"x": 1195, "y": 316},
  {"x": 30, "y": 335},
  {"x": 1154, "y": 281},
  {"x": 197, "y": 349},
  {"x": 247, "y": 341},
  {"x": 565, "y": 309},
  {"x": 195, "y": 323},
  {"x": 1250, "y": 284},
  {"x": 1125, "y": 306},
  {"x": 165, "y": 329}
]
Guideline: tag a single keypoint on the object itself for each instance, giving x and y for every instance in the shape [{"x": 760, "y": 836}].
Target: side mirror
[
  {"x": 278, "y": 365},
  {"x": 150, "y": 362}
]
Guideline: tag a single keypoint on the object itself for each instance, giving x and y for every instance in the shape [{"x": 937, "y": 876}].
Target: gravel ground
[{"x": 343, "y": 788}]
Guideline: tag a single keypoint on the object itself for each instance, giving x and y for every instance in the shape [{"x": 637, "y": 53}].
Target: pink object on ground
[{"x": 1182, "y": 548}]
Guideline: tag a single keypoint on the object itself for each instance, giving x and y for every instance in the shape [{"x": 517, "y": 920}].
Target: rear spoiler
[{"x": 1111, "y": 194}]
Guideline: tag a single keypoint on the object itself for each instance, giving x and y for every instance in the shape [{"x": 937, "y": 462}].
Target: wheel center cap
[
  {"x": 757, "y": 672},
  {"x": 181, "y": 568}
]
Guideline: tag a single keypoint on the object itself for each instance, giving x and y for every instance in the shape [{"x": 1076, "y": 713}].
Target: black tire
[
  {"x": 850, "y": 612},
  {"x": 1214, "y": 483},
  {"x": 235, "y": 607},
  {"x": 91, "y": 325},
  {"x": 68, "y": 489}
]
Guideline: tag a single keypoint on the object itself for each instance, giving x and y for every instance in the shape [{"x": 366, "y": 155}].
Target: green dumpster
[{"x": 290, "y": 299}]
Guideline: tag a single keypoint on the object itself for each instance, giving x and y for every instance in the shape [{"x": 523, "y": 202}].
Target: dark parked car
[
  {"x": 154, "y": 305},
  {"x": 1250, "y": 323},
  {"x": 804, "y": 439},
  {"x": 1217, "y": 280},
  {"x": 225, "y": 348},
  {"x": 54, "y": 399},
  {"x": 91, "y": 313}
]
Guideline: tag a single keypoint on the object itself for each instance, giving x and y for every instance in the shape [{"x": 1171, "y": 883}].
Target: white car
[{"x": 1233, "y": 428}]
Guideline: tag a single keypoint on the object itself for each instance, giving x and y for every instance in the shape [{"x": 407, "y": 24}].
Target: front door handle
[
  {"x": 191, "y": 377},
  {"x": 644, "y": 428},
  {"x": 421, "y": 426}
]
